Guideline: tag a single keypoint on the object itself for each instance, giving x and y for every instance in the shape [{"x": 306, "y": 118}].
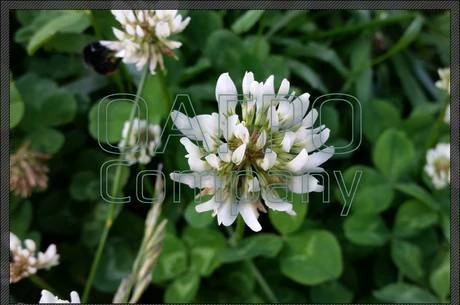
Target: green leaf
[
  {"x": 314, "y": 50},
  {"x": 331, "y": 292},
  {"x": 308, "y": 75},
  {"x": 85, "y": 186},
  {"x": 21, "y": 218},
  {"x": 312, "y": 257},
  {"x": 172, "y": 261},
  {"x": 157, "y": 100},
  {"x": 394, "y": 154},
  {"x": 16, "y": 105},
  {"x": 262, "y": 244},
  {"x": 46, "y": 140},
  {"x": 257, "y": 45},
  {"x": 404, "y": 293},
  {"x": 106, "y": 119},
  {"x": 440, "y": 277},
  {"x": 246, "y": 21},
  {"x": 412, "y": 217},
  {"x": 418, "y": 193},
  {"x": 409, "y": 35},
  {"x": 94, "y": 224},
  {"x": 201, "y": 65},
  {"x": 199, "y": 30},
  {"x": 67, "y": 22},
  {"x": 361, "y": 57},
  {"x": 445, "y": 225},
  {"x": 58, "y": 109},
  {"x": 373, "y": 199},
  {"x": 287, "y": 224},
  {"x": 373, "y": 124},
  {"x": 45, "y": 103},
  {"x": 368, "y": 230},
  {"x": 183, "y": 289},
  {"x": 223, "y": 48},
  {"x": 69, "y": 42},
  {"x": 326, "y": 54},
  {"x": 195, "y": 219},
  {"x": 412, "y": 88},
  {"x": 205, "y": 247},
  {"x": 373, "y": 194},
  {"x": 115, "y": 264},
  {"x": 408, "y": 258}
]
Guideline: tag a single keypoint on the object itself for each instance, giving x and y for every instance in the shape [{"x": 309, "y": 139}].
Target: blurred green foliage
[{"x": 392, "y": 247}]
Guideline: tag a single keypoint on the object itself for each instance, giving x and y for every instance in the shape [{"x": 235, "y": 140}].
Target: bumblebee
[{"x": 100, "y": 58}]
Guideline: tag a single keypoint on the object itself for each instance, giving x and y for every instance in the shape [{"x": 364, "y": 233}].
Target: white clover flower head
[
  {"x": 25, "y": 261},
  {"x": 49, "y": 298},
  {"x": 237, "y": 158},
  {"x": 144, "y": 36},
  {"x": 444, "y": 82},
  {"x": 139, "y": 143},
  {"x": 438, "y": 165}
]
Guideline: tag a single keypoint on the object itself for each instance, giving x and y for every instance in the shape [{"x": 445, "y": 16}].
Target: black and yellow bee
[{"x": 100, "y": 58}]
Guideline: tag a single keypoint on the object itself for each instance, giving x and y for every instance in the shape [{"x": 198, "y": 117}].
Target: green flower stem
[
  {"x": 168, "y": 101},
  {"x": 147, "y": 185},
  {"x": 255, "y": 271},
  {"x": 41, "y": 283},
  {"x": 115, "y": 189},
  {"x": 434, "y": 132},
  {"x": 262, "y": 282},
  {"x": 164, "y": 87}
]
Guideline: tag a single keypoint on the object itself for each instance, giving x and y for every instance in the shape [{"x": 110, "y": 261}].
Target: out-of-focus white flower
[
  {"x": 447, "y": 115},
  {"x": 25, "y": 261},
  {"x": 444, "y": 82},
  {"x": 144, "y": 37},
  {"x": 140, "y": 144},
  {"x": 49, "y": 298},
  {"x": 438, "y": 165},
  {"x": 236, "y": 157}
]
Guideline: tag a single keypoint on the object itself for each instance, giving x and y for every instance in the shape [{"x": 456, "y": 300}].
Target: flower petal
[
  {"x": 269, "y": 159},
  {"x": 318, "y": 158},
  {"x": 197, "y": 180},
  {"x": 253, "y": 185},
  {"x": 238, "y": 154},
  {"x": 249, "y": 213},
  {"x": 47, "y": 297},
  {"x": 207, "y": 206},
  {"x": 269, "y": 87},
  {"x": 247, "y": 81},
  {"x": 227, "y": 213},
  {"x": 284, "y": 88},
  {"x": 288, "y": 141},
  {"x": 297, "y": 164},
  {"x": 261, "y": 140},
  {"x": 226, "y": 94},
  {"x": 310, "y": 119},
  {"x": 228, "y": 125},
  {"x": 273, "y": 201},
  {"x": 213, "y": 160},
  {"x": 192, "y": 149},
  {"x": 242, "y": 133},
  {"x": 188, "y": 126},
  {"x": 74, "y": 297},
  {"x": 304, "y": 184},
  {"x": 225, "y": 154}
]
